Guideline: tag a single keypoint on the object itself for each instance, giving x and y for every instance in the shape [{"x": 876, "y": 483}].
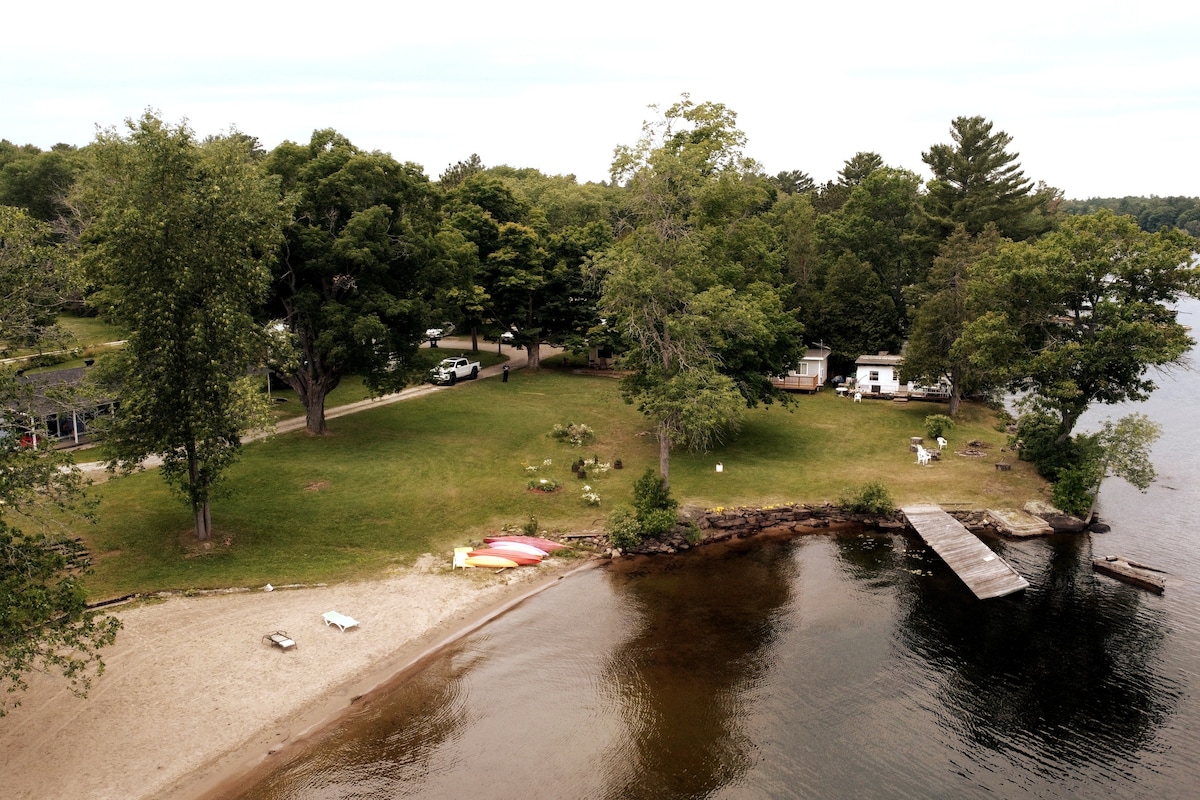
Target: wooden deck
[{"x": 984, "y": 572}]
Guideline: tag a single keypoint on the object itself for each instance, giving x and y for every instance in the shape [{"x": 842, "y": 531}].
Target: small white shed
[{"x": 879, "y": 374}]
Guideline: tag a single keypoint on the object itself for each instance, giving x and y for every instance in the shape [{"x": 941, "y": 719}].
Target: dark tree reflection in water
[{"x": 698, "y": 648}]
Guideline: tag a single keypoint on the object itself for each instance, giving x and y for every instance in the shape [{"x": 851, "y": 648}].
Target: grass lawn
[
  {"x": 424, "y": 475},
  {"x": 89, "y": 334},
  {"x": 89, "y": 331}
]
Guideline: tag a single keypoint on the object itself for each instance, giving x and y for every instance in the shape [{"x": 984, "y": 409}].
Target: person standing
[{"x": 505, "y": 373}]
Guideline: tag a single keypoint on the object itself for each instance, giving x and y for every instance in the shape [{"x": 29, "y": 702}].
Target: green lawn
[
  {"x": 90, "y": 331},
  {"x": 424, "y": 475},
  {"x": 88, "y": 337}
]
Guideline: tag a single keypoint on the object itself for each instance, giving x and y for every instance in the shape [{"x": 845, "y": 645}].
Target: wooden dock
[{"x": 984, "y": 572}]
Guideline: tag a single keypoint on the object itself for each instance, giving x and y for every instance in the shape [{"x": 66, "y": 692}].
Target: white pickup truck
[{"x": 450, "y": 370}]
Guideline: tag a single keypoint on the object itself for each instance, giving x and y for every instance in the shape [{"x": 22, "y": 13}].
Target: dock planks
[{"x": 985, "y": 573}]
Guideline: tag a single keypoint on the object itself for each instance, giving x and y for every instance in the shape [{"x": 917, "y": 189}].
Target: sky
[{"x": 1102, "y": 99}]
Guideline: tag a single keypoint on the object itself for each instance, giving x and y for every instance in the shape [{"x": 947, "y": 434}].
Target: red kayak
[
  {"x": 515, "y": 556},
  {"x": 540, "y": 544}
]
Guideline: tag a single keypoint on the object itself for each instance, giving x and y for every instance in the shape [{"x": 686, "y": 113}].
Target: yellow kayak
[{"x": 493, "y": 562}]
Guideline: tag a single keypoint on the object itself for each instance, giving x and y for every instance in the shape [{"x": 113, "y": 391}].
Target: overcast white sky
[{"x": 1101, "y": 98}]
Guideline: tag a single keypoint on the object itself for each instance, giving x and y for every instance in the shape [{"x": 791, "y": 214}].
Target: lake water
[{"x": 826, "y": 666}]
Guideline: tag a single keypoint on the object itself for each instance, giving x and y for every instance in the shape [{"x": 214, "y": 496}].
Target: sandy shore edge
[{"x": 194, "y": 703}]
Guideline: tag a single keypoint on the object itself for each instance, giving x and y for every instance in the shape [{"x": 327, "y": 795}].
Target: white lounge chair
[
  {"x": 281, "y": 639},
  {"x": 460, "y": 557},
  {"x": 922, "y": 455},
  {"x": 341, "y": 620}
]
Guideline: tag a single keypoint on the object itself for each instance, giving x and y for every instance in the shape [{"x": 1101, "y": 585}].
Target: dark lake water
[{"x": 830, "y": 666}]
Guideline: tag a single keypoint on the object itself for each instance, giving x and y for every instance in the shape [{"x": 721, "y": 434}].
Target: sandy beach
[{"x": 192, "y": 696}]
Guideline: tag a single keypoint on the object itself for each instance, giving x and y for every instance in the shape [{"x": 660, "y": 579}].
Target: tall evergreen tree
[{"x": 976, "y": 180}]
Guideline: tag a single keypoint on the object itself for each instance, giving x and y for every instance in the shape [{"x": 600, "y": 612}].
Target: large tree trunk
[
  {"x": 312, "y": 392},
  {"x": 201, "y": 516},
  {"x": 202, "y": 533},
  {"x": 314, "y": 414},
  {"x": 535, "y": 353},
  {"x": 955, "y": 377}
]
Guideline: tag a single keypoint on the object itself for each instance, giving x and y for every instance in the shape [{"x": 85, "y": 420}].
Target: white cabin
[
  {"x": 880, "y": 375},
  {"x": 810, "y": 374}
]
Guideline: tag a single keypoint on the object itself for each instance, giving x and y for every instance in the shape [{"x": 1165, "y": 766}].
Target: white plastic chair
[
  {"x": 858, "y": 397},
  {"x": 941, "y": 443},
  {"x": 922, "y": 455},
  {"x": 460, "y": 558}
]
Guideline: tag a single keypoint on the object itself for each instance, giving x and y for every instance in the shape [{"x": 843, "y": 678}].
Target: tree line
[{"x": 321, "y": 260}]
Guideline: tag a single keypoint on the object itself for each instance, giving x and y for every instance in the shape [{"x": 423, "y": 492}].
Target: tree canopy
[
  {"x": 181, "y": 239},
  {"x": 689, "y": 284},
  {"x": 1081, "y": 315},
  {"x": 351, "y": 285}
]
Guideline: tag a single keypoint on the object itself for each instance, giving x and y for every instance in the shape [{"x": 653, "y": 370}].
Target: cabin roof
[{"x": 879, "y": 359}]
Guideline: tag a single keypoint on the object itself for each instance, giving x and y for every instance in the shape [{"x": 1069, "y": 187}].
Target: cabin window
[
  {"x": 802, "y": 370},
  {"x": 873, "y": 375}
]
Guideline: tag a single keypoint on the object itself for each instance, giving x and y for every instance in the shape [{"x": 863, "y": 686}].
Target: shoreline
[
  {"x": 235, "y": 772},
  {"x": 193, "y": 704}
]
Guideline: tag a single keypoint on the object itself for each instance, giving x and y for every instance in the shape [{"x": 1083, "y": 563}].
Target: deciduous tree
[
  {"x": 1080, "y": 316},
  {"x": 44, "y": 622},
  {"x": 181, "y": 240},
  {"x": 352, "y": 284},
  {"x": 33, "y": 280},
  {"x": 934, "y": 352},
  {"x": 692, "y": 295}
]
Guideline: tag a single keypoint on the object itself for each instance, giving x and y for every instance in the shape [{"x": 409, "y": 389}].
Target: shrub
[
  {"x": 623, "y": 528},
  {"x": 937, "y": 424},
  {"x": 657, "y": 522},
  {"x": 1037, "y": 442},
  {"x": 1073, "y": 490},
  {"x": 650, "y": 493},
  {"x": 652, "y": 515},
  {"x": 872, "y": 498},
  {"x": 1076, "y": 483}
]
